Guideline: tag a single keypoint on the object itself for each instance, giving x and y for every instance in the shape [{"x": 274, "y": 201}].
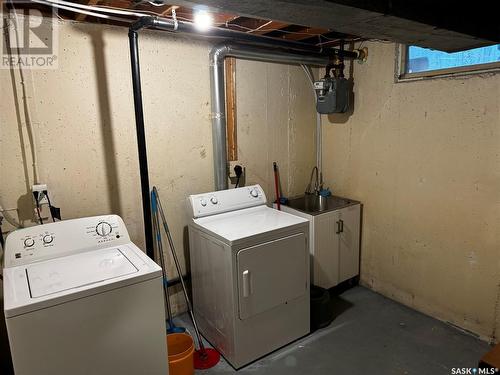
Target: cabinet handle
[
  {"x": 246, "y": 283},
  {"x": 338, "y": 227},
  {"x": 341, "y": 225}
]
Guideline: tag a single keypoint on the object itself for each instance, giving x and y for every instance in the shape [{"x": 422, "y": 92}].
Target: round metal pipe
[
  {"x": 240, "y": 36},
  {"x": 218, "y": 94}
]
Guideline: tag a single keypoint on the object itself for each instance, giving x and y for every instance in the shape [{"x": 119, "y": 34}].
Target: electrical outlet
[
  {"x": 232, "y": 164},
  {"x": 40, "y": 188},
  {"x": 232, "y": 175}
]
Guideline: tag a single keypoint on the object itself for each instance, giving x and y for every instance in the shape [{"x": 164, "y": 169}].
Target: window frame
[{"x": 401, "y": 75}]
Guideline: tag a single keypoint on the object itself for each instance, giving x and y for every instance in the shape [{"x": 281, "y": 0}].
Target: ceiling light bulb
[{"x": 203, "y": 21}]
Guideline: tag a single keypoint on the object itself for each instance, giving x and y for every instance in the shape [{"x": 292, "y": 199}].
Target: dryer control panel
[
  {"x": 217, "y": 202},
  {"x": 47, "y": 241}
]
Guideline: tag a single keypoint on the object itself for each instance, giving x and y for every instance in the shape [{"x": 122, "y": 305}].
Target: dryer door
[{"x": 272, "y": 273}]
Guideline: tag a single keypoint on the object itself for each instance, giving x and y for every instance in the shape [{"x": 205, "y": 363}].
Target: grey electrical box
[{"x": 332, "y": 95}]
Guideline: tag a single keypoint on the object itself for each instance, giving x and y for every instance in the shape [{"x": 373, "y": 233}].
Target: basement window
[{"x": 417, "y": 62}]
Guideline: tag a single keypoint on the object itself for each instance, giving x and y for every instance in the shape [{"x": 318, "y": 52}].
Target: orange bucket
[{"x": 180, "y": 354}]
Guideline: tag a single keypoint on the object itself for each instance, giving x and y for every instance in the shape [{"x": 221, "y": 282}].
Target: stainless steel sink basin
[{"x": 315, "y": 204}]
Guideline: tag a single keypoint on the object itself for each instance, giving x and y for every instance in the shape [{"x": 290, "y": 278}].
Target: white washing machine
[
  {"x": 250, "y": 273},
  {"x": 81, "y": 298}
]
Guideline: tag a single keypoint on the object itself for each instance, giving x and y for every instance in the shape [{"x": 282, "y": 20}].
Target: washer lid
[
  {"x": 56, "y": 281},
  {"x": 236, "y": 225},
  {"x": 77, "y": 271}
]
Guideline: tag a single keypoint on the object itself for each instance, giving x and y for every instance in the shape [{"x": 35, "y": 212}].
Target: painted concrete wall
[
  {"x": 84, "y": 127},
  {"x": 276, "y": 122},
  {"x": 424, "y": 158}
]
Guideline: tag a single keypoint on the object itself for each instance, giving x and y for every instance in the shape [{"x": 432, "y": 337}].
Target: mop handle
[
  {"x": 156, "y": 226},
  {"x": 179, "y": 271}
]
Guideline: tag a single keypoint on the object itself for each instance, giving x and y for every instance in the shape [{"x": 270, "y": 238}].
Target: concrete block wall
[{"x": 424, "y": 158}]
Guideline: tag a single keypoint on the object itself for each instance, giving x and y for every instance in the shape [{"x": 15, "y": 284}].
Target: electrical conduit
[{"x": 319, "y": 130}]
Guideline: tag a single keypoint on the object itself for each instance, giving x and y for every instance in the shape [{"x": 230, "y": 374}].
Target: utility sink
[{"x": 315, "y": 204}]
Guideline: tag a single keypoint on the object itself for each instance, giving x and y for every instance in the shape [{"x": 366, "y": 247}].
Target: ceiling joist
[{"x": 184, "y": 12}]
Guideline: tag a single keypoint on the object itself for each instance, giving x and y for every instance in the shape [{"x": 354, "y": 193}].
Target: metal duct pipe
[
  {"x": 218, "y": 95},
  {"x": 296, "y": 53}
]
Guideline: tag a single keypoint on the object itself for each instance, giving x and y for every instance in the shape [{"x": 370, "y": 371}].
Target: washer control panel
[
  {"x": 221, "y": 201},
  {"x": 41, "y": 242}
]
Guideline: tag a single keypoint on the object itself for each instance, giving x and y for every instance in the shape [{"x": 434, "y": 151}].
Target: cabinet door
[
  {"x": 326, "y": 252},
  {"x": 349, "y": 242}
]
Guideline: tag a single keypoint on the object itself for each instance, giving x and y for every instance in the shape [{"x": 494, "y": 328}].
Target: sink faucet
[{"x": 317, "y": 184}]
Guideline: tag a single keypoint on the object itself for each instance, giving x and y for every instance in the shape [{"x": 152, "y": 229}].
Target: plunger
[{"x": 204, "y": 358}]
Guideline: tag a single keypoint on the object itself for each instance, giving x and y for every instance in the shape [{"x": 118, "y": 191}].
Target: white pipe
[
  {"x": 29, "y": 122},
  {"x": 75, "y": 10},
  {"x": 98, "y": 9}
]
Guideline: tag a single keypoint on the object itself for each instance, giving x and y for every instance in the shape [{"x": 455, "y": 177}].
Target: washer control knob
[
  {"x": 28, "y": 242},
  {"x": 254, "y": 193},
  {"x": 203, "y": 202},
  {"x": 214, "y": 200},
  {"x": 48, "y": 238},
  {"x": 103, "y": 228}
]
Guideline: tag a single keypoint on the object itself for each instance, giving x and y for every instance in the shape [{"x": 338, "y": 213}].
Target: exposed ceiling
[
  {"x": 444, "y": 25},
  {"x": 261, "y": 26}
]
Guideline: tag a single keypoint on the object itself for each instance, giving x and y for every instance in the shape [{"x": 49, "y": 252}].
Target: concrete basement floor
[{"x": 370, "y": 335}]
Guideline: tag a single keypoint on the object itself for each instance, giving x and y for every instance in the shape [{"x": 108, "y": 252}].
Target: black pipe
[
  {"x": 2, "y": 242},
  {"x": 148, "y": 21},
  {"x": 141, "y": 141}
]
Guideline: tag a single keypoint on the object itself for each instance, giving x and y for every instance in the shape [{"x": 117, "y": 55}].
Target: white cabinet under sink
[{"x": 334, "y": 240}]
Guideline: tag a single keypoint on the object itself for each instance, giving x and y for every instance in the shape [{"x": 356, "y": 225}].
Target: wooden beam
[
  {"x": 255, "y": 26},
  {"x": 184, "y": 13},
  {"x": 239, "y": 23},
  {"x": 218, "y": 18},
  {"x": 231, "y": 127},
  {"x": 304, "y": 33},
  {"x": 81, "y": 17},
  {"x": 268, "y": 27},
  {"x": 124, "y": 4},
  {"x": 168, "y": 11},
  {"x": 328, "y": 38},
  {"x": 223, "y": 18}
]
